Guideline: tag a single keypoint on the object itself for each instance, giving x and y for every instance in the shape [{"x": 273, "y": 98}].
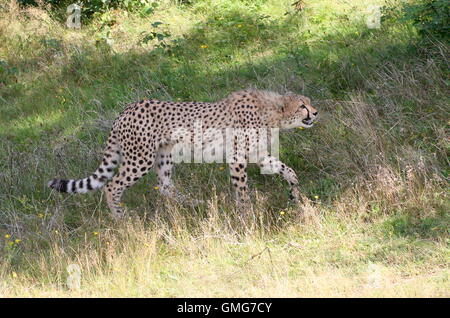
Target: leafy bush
[
  {"x": 159, "y": 35},
  {"x": 429, "y": 16},
  {"x": 92, "y": 7}
]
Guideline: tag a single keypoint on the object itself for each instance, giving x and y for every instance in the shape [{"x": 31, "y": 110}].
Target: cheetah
[{"x": 144, "y": 135}]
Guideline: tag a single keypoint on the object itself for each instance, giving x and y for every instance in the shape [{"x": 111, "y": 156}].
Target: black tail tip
[{"x": 58, "y": 184}]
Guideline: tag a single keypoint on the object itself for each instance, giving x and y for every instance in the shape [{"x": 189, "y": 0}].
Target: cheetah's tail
[{"x": 98, "y": 179}]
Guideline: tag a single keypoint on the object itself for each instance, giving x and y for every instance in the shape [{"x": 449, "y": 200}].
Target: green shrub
[
  {"x": 92, "y": 7},
  {"x": 429, "y": 17}
]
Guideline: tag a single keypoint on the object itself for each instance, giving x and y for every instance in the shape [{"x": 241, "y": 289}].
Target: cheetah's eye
[{"x": 303, "y": 106}]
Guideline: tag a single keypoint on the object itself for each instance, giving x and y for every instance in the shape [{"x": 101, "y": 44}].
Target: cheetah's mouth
[{"x": 307, "y": 123}]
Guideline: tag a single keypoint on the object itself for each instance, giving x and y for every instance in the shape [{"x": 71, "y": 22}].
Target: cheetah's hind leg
[
  {"x": 129, "y": 173},
  {"x": 164, "y": 171}
]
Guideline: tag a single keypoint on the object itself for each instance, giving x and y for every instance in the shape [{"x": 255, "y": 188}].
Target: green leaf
[{"x": 156, "y": 24}]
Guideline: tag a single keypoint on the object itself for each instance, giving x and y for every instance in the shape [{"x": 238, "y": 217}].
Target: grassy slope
[{"x": 375, "y": 217}]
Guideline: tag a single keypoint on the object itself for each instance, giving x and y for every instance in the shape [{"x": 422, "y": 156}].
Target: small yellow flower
[
  {"x": 221, "y": 168},
  {"x": 7, "y": 236},
  {"x": 40, "y": 215},
  {"x": 18, "y": 241},
  {"x": 301, "y": 127},
  {"x": 282, "y": 213},
  {"x": 14, "y": 274},
  {"x": 316, "y": 197},
  {"x": 239, "y": 25},
  {"x": 203, "y": 46},
  {"x": 156, "y": 188},
  {"x": 95, "y": 233},
  {"x": 10, "y": 243},
  {"x": 56, "y": 231}
]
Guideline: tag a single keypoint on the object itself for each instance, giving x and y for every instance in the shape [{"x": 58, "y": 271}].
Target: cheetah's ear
[{"x": 306, "y": 100}]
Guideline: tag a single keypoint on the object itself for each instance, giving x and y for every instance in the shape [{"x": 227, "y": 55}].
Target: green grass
[{"x": 374, "y": 170}]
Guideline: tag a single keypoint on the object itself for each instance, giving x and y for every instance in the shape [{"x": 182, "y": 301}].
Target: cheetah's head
[{"x": 296, "y": 111}]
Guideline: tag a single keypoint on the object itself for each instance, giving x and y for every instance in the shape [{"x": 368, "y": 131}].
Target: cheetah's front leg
[
  {"x": 238, "y": 172},
  {"x": 270, "y": 165},
  {"x": 164, "y": 167}
]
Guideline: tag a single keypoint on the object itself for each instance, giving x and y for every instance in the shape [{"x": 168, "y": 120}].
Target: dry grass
[{"x": 311, "y": 255}]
